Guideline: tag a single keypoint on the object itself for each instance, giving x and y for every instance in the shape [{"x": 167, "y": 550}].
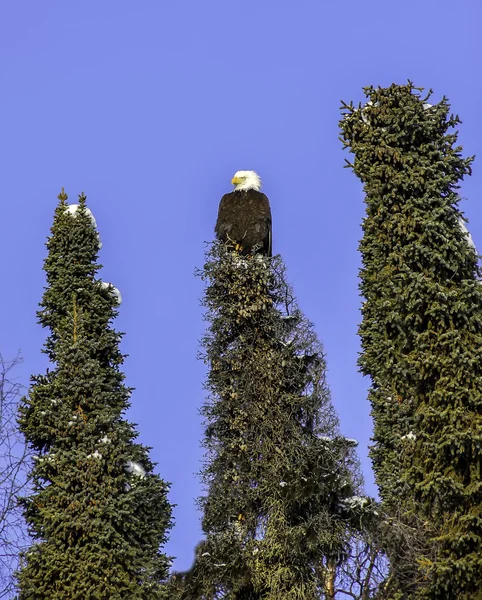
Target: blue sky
[{"x": 150, "y": 107}]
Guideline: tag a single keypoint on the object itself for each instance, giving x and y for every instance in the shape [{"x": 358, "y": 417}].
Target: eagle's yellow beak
[{"x": 236, "y": 180}]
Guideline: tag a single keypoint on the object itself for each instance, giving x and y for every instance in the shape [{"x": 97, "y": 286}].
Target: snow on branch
[
  {"x": 114, "y": 292},
  {"x": 135, "y": 469},
  {"x": 464, "y": 229},
  {"x": 72, "y": 210}
]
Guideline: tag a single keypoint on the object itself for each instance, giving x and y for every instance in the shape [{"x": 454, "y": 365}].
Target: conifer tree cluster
[
  {"x": 282, "y": 484},
  {"x": 421, "y": 334},
  {"x": 98, "y": 514},
  {"x": 284, "y": 515}
]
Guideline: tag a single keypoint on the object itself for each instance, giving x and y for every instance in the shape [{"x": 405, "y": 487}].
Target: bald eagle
[{"x": 244, "y": 216}]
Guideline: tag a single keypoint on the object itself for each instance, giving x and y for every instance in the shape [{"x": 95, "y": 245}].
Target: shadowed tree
[
  {"x": 98, "y": 513},
  {"x": 282, "y": 483},
  {"x": 421, "y": 337}
]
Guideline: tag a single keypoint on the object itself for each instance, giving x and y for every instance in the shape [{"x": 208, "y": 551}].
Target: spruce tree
[
  {"x": 282, "y": 483},
  {"x": 421, "y": 333},
  {"x": 98, "y": 513}
]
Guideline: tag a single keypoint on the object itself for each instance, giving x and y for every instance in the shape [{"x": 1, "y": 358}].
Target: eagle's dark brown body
[{"x": 244, "y": 218}]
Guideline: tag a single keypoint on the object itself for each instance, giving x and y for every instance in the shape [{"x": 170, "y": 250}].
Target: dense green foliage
[
  {"x": 280, "y": 480},
  {"x": 98, "y": 513},
  {"x": 421, "y": 333}
]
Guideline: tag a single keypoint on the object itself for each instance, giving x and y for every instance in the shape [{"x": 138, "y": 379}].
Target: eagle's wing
[
  {"x": 224, "y": 218},
  {"x": 269, "y": 250},
  {"x": 265, "y": 213}
]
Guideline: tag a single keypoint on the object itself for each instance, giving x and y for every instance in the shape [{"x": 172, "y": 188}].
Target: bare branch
[{"x": 14, "y": 457}]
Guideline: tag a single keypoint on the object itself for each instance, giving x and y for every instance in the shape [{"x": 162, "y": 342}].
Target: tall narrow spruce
[
  {"x": 98, "y": 513},
  {"x": 280, "y": 480},
  {"x": 421, "y": 334}
]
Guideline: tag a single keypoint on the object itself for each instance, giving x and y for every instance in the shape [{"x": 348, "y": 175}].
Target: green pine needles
[
  {"x": 282, "y": 484},
  {"x": 421, "y": 333},
  {"x": 98, "y": 514}
]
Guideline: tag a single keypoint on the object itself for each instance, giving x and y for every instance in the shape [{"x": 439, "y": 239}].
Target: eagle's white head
[{"x": 246, "y": 180}]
